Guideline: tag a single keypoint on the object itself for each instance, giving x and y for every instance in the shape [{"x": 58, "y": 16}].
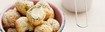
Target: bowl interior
[{"x": 58, "y": 15}]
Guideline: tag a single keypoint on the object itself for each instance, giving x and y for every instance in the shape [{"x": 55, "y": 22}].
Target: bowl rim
[{"x": 60, "y": 11}]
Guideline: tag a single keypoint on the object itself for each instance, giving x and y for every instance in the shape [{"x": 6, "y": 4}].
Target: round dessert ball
[
  {"x": 10, "y": 17},
  {"x": 54, "y": 24},
  {"x": 43, "y": 28},
  {"x": 23, "y": 6},
  {"x": 45, "y": 6},
  {"x": 22, "y": 24},
  {"x": 36, "y": 15}
]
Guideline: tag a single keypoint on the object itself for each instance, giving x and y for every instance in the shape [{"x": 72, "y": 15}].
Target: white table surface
[{"x": 96, "y": 17}]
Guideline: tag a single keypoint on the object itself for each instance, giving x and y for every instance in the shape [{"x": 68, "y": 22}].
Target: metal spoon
[{"x": 81, "y": 24}]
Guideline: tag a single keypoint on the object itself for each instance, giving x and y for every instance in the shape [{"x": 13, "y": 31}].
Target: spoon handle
[{"x": 80, "y": 23}]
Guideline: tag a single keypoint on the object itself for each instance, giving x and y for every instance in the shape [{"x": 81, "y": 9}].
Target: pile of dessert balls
[{"x": 29, "y": 17}]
